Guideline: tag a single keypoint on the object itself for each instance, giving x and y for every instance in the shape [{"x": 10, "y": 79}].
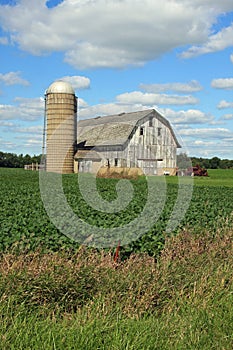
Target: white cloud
[
  {"x": 191, "y": 116},
  {"x": 192, "y": 86},
  {"x": 82, "y": 103},
  {"x": 6, "y": 124},
  {"x": 33, "y": 142},
  {"x": 13, "y": 78},
  {"x": 231, "y": 58},
  {"x": 28, "y": 138},
  {"x": 30, "y": 130},
  {"x": 9, "y": 146},
  {"x": 204, "y": 143},
  {"x": 25, "y": 109},
  {"x": 115, "y": 33},
  {"x": 8, "y": 112},
  {"x": 3, "y": 40},
  {"x": 204, "y": 148},
  {"x": 224, "y": 104},
  {"x": 138, "y": 97},
  {"x": 227, "y": 117},
  {"x": 78, "y": 82},
  {"x": 222, "y": 83},
  {"x": 108, "y": 109},
  {"x": 217, "y": 122},
  {"x": 216, "y": 42},
  {"x": 207, "y": 133},
  {"x": 88, "y": 55}
]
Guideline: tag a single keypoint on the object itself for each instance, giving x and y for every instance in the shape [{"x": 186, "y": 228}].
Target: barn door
[
  {"x": 85, "y": 166},
  {"x": 149, "y": 167}
]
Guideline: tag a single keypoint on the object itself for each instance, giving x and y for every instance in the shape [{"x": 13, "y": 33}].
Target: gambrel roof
[{"x": 115, "y": 130}]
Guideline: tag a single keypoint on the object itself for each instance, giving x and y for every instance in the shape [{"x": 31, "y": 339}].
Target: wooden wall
[{"x": 151, "y": 147}]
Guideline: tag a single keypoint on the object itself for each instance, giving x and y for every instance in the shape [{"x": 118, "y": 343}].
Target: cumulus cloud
[
  {"x": 78, "y": 82},
  {"x": 222, "y": 83},
  {"x": 207, "y": 133},
  {"x": 33, "y": 142},
  {"x": 192, "y": 86},
  {"x": 6, "y": 124},
  {"x": 82, "y": 103},
  {"x": 138, "y": 97},
  {"x": 227, "y": 117},
  {"x": 217, "y": 122},
  {"x": 203, "y": 143},
  {"x": 209, "y": 149},
  {"x": 207, "y": 141},
  {"x": 115, "y": 33},
  {"x": 216, "y": 42},
  {"x": 88, "y": 55},
  {"x": 182, "y": 117},
  {"x": 24, "y": 109},
  {"x": 191, "y": 116},
  {"x": 7, "y": 145},
  {"x": 224, "y": 104},
  {"x": 13, "y": 78},
  {"x": 3, "y": 40},
  {"x": 108, "y": 109},
  {"x": 231, "y": 58},
  {"x": 30, "y": 129}
]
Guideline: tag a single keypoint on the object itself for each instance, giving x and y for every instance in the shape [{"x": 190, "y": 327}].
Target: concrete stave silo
[{"x": 61, "y": 127}]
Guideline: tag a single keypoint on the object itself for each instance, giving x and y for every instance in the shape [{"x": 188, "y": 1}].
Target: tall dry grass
[{"x": 193, "y": 267}]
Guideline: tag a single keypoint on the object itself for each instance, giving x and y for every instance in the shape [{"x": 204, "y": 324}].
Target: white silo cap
[{"x": 61, "y": 87}]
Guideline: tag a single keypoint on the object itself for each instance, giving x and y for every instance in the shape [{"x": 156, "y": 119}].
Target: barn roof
[{"x": 116, "y": 129}]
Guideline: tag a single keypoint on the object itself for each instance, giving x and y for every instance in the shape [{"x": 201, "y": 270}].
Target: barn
[{"x": 142, "y": 140}]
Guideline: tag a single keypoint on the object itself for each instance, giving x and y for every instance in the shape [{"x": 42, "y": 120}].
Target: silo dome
[{"x": 61, "y": 87}]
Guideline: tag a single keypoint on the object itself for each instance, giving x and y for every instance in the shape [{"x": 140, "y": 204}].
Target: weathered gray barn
[{"x": 142, "y": 139}]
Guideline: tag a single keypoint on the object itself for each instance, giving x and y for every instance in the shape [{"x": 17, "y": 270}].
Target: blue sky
[{"x": 120, "y": 55}]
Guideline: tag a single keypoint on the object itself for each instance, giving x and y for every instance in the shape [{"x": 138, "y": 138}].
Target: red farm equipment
[{"x": 196, "y": 170}]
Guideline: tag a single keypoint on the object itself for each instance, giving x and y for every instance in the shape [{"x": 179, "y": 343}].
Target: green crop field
[
  {"x": 168, "y": 291},
  {"x": 25, "y": 225}
]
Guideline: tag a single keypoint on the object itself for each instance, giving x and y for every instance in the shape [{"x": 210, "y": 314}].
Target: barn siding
[{"x": 151, "y": 146}]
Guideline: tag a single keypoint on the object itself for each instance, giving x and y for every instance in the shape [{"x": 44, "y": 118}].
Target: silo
[{"x": 61, "y": 127}]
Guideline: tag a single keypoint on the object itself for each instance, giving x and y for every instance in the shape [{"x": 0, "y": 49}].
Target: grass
[
  {"x": 200, "y": 330},
  {"x": 86, "y": 301},
  {"x": 80, "y": 299},
  {"x": 216, "y": 178}
]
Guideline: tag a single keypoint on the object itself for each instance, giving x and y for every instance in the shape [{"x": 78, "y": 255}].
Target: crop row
[{"x": 25, "y": 225}]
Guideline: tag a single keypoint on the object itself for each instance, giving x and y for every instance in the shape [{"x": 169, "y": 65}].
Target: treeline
[
  {"x": 183, "y": 161},
  {"x": 213, "y": 163},
  {"x": 12, "y": 160}
]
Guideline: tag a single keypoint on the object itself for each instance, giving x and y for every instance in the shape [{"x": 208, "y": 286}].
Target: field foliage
[
  {"x": 25, "y": 225},
  {"x": 86, "y": 301},
  {"x": 166, "y": 292}
]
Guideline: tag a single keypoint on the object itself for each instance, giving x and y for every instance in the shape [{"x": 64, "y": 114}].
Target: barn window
[
  {"x": 159, "y": 131},
  {"x": 116, "y": 161},
  {"x": 150, "y": 122},
  {"x": 141, "y": 131}
]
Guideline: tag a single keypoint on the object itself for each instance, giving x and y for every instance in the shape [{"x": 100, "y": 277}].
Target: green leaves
[{"x": 25, "y": 225}]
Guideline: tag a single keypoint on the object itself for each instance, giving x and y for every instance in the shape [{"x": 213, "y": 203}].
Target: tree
[
  {"x": 214, "y": 163},
  {"x": 183, "y": 161},
  {"x": 226, "y": 164}
]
